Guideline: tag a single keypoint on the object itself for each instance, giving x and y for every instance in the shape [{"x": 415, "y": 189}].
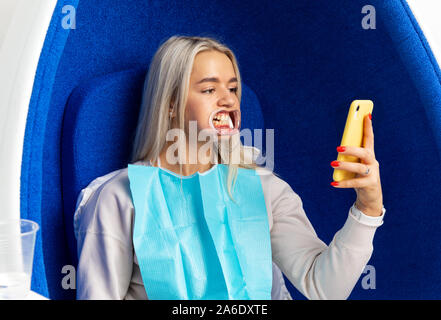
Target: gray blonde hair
[{"x": 167, "y": 82}]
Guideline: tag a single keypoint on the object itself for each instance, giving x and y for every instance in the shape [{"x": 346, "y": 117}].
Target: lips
[{"x": 225, "y": 122}]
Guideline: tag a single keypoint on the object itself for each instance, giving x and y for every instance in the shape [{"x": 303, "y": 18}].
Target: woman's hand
[{"x": 367, "y": 186}]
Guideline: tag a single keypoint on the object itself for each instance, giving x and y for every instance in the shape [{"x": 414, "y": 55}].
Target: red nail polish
[
  {"x": 335, "y": 163},
  {"x": 370, "y": 116},
  {"x": 341, "y": 149},
  {"x": 334, "y": 183}
]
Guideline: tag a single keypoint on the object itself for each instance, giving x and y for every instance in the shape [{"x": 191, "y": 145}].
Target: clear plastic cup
[{"x": 17, "y": 242}]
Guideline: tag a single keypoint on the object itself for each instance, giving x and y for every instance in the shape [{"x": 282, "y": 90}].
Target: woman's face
[{"x": 212, "y": 98}]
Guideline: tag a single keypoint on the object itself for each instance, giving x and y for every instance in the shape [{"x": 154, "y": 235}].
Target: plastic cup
[{"x": 17, "y": 242}]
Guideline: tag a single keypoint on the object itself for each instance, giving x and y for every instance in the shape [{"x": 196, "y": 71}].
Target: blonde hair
[{"x": 167, "y": 82}]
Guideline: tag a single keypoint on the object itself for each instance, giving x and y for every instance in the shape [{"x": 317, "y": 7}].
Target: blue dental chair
[{"x": 302, "y": 63}]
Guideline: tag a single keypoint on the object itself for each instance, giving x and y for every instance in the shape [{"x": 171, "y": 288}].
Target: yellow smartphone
[{"x": 353, "y": 135}]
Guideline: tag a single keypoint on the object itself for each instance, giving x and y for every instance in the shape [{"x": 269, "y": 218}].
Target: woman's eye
[{"x": 211, "y": 90}]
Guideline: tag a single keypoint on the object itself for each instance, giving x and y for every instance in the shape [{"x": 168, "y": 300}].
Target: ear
[
  {"x": 171, "y": 110},
  {"x": 173, "y": 104}
]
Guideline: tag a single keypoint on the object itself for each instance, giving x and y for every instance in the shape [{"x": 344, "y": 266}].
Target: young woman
[{"x": 156, "y": 254}]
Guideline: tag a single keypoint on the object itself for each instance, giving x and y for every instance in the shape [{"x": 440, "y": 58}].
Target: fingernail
[
  {"x": 341, "y": 149},
  {"x": 334, "y": 183},
  {"x": 370, "y": 116},
  {"x": 335, "y": 163}
]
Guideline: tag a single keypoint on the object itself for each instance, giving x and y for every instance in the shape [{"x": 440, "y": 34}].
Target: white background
[{"x": 23, "y": 26}]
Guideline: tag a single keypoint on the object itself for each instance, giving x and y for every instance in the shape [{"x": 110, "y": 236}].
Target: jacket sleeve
[
  {"x": 318, "y": 271},
  {"x": 104, "y": 246}
]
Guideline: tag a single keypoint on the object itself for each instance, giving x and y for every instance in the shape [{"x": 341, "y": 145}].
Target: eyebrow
[{"x": 214, "y": 79}]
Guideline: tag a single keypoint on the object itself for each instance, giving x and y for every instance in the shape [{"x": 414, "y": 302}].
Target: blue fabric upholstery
[
  {"x": 50, "y": 254},
  {"x": 98, "y": 125},
  {"x": 305, "y": 61}
]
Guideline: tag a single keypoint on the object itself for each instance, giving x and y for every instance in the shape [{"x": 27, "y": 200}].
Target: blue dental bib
[{"x": 193, "y": 242}]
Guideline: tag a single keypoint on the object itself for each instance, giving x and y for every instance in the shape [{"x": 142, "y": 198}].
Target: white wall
[
  {"x": 427, "y": 13},
  {"x": 23, "y": 26},
  {"x": 7, "y": 10}
]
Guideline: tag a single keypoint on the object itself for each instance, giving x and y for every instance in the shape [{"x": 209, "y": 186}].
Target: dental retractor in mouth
[
  {"x": 225, "y": 122},
  {"x": 222, "y": 119}
]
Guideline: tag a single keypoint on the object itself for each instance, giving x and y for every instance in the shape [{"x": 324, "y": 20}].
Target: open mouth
[{"x": 225, "y": 122}]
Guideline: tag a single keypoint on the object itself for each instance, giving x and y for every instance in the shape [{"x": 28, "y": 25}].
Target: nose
[{"x": 227, "y": 99}]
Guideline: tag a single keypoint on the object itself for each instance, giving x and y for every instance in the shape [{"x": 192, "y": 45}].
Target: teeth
[
  {"x": 222, "y": 120},
  {"x": 222, "y": 117}
]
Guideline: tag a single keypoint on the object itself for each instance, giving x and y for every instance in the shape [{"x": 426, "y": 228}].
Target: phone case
[{"x": 353, "y": 135}]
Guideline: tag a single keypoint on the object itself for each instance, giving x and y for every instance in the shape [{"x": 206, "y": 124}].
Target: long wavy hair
[{"x": 167, "y": 82}]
